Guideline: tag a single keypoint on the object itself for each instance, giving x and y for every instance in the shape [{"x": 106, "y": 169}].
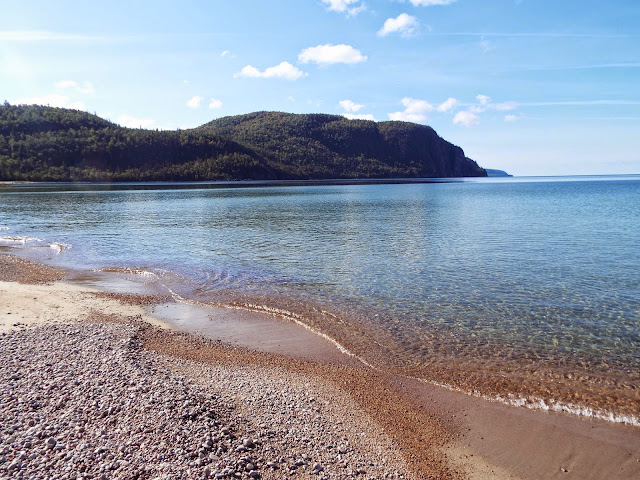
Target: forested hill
[
  {"x": 331, "y": 146},
  {"x": 53, "y": 144}
]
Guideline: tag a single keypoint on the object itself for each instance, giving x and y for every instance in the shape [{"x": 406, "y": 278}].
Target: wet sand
[{"x": 440, "y": 433}]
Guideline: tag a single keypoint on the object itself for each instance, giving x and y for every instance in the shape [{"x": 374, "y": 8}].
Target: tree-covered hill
[
  {"x": 331, "y": 146},
  {"x": 54, "y": 144}
]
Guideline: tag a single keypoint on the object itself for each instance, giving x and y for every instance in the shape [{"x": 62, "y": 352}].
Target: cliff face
[{"x": 53, "y": 144}]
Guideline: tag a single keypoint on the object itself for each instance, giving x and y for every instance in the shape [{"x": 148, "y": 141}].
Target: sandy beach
[{"x": 94, "y": 385}]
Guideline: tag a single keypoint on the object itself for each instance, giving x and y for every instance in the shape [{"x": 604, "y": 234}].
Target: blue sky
[{"x": 532, "y": 87}]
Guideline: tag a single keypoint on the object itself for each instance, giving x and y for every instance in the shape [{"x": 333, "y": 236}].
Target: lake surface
[{"x": 529, "y": 287}]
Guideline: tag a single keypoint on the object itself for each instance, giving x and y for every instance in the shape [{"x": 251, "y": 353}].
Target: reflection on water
[{"x": 531, "y": 277}]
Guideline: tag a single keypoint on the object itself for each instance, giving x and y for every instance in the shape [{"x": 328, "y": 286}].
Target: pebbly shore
[{"x": 87, "y": 401}]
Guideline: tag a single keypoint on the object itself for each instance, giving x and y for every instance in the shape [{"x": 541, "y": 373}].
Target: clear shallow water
[{"x": 542, "y": 273}]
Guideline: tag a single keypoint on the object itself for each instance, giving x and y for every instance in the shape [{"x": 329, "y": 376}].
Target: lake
[{"x": 524, "y": 289}]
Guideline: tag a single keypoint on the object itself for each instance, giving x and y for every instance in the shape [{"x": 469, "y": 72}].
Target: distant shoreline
[{"x": 312, "y": 182}]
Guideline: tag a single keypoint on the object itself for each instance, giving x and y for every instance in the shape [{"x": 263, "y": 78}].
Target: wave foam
[
  {"x": 536, "y": 403},
  {"x": 19, "y": 240},
  {"x": 127, "y": 270},
  {"x": 58, "y": 247}
]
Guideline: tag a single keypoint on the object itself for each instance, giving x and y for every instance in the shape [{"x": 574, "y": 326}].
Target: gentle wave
[
  {"x": 128, "y": 271},
  {"x": 536, "y": 403},
  {"x": 58, "y": 247},
  {"x": 19, "y": 240}
]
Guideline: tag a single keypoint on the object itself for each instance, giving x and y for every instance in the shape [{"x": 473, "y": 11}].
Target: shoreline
[{"x": 458, "y": 436}]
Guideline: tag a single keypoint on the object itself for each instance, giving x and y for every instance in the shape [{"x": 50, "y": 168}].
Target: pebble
[{"x": 87, "y": 401}]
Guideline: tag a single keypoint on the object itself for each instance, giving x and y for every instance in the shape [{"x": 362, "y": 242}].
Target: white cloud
[
  {"x": 194, "y": 102},
  {"x": 504, "y": 106},
  {"x": 449, "y": 104},
  {"x": 350, "y": 106},
  {"x": 483, "y": 99},
  {"x": 466, "y": 118},
  {"x": 415, "y": 111},
  {"x": 134, "y": 122},
  {"x": 511, "y": 118},
  {"x": 291, "y": 98},
  {"x": 359, "y": 116},
  {"x": 485, "y": 45},
  {"x": 284, "y": 70},
  {"x": 329, "y": 54},
  {"x": 51, "y": 100},
  {"x": 429, "y": 3},
  {"x": 225, "y": 53},
  {"x": 85, "y": 88},
  {"x": 405, "y": 24},
  {"x": 215, "y": 103},
  {"x": 344, "y": 6}
]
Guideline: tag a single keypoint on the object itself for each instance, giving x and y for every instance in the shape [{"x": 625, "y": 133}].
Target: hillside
[
  {"x": 53, "y": 144},
  {"x": 330, "y": 146}
]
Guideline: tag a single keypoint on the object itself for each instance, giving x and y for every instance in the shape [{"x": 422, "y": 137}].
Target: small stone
[
  {"x": 247, "y": 442},
  {"x": 254, "y": 474},
  {"x": 51, "y": 442},
  {"x": 342, "y": 449}
]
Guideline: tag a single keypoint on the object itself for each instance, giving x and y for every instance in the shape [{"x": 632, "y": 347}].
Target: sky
[{"x": 533, "y": 87}]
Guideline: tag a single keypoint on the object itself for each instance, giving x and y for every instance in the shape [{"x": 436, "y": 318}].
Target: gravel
[{"x": 87, "y": 401}]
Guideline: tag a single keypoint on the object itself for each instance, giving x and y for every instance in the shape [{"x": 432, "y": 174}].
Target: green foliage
[
  {"x": 330, "y": 146},
  {"x": 52, "y": 144}
]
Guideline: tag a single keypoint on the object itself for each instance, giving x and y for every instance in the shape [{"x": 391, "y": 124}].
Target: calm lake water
[{"x": 539, "y": 272}]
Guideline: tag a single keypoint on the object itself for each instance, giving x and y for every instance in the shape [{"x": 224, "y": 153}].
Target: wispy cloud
[
  {"x": 449, "y": 104},
  {"x": 135, "y": 122},
  {"x": 466, "y": 118},
  {"x": 84, "y": 87},
  {"x": 215, "y": 103},
  {"x": 534, "y": 34},
  {"x": 350, "y": 7},
  {"x": 284, "y": 71},
  {"x": 511, "y": 118},
  {"x": 350, "y": 106},
  {"x": 578, "y": 103},
  {"x": 329, "y": 54},
  {"x": 350, "y": 109},
  {"x": 194, "y": 102},
  {"x": 415, "y": 111},
  {"x": 483, "y": 99},
  {"x": 585, "y": 67},
  {"x": 404, "y": 24},
  {"x": 44, "y": 36},
  {"x": 359, "y": 116},
  {"x": 430, "y": 3},
  {"x": 51, "y": 100}
]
